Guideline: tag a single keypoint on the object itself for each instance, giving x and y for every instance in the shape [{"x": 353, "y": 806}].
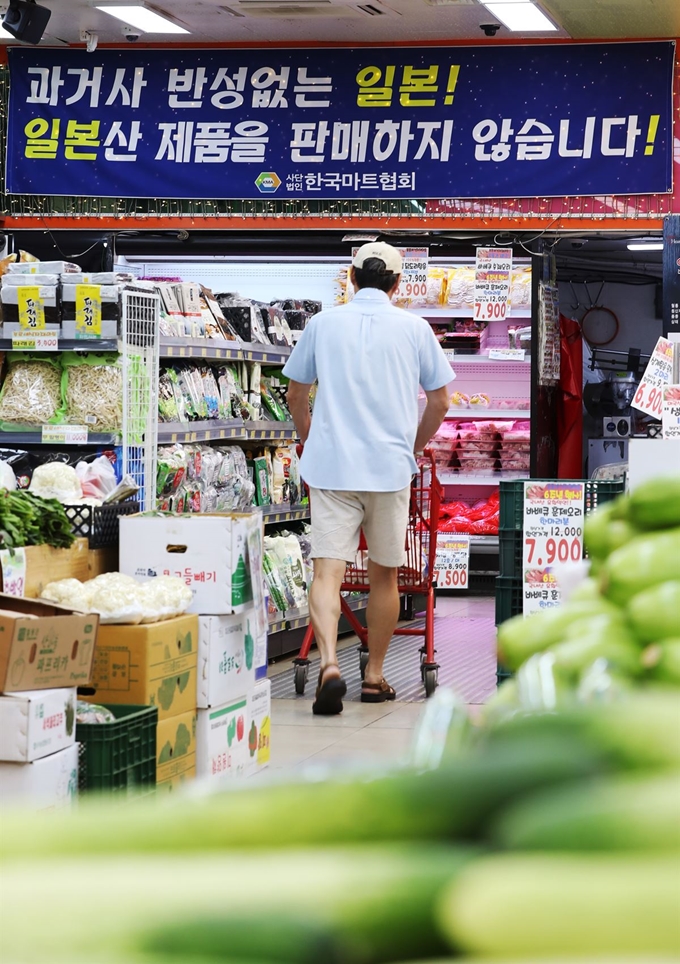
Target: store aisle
[{"x": 366, "y": 734}]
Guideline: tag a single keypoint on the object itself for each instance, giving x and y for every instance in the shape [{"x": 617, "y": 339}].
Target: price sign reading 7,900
[{"x": 553, "y": 537}]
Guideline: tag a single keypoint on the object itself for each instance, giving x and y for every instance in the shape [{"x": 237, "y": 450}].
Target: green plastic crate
[
  {"x": 510, "y": 551},
  {"x": 509, "y": 598},
  {"x": 119, "y": 757},
  {"x": 512, "y": 498}
]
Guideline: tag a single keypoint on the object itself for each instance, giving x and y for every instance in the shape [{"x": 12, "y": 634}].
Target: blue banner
[{"x": 402, "y": 122}]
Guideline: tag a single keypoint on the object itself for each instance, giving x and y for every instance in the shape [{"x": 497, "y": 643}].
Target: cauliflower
[
  {"x": 54, "y": 480},
  {"x": 118, "y": 598}
]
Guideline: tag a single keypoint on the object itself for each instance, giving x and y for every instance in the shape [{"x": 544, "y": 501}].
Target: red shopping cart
[{"x": 415, "y": 578}]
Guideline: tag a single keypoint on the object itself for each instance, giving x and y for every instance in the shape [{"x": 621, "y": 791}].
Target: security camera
[
  {"x": 490, "y": 29},
  {"x": 130, "y": 35}
]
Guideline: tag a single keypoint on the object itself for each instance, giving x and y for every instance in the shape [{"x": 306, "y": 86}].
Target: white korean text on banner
[
  {"x": 353, "y": 122},
  {"x": 452, "y": 565},
  {"x": 658, "y": 375},
  {"x": 553, "y": 536},
  {"x": 493, "y": 269}
]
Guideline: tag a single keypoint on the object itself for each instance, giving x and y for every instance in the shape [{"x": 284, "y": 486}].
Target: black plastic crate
[
  {"x": 119, "y": 756},
  {"x": 509, "y": 598},
  {"x": 510, "y": 551},
  {"x": 502, "y": 674},
  {"x": 99, "y": 523},
  {"x": 512, "y": 497}
]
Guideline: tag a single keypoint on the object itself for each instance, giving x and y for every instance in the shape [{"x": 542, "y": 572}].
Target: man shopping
[{"x": 369, "y": 359}]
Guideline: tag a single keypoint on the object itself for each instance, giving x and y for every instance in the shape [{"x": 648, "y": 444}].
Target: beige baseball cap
[{"x": 379, "y": 249}]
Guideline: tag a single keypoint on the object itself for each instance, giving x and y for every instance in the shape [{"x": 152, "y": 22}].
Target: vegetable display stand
[
  {"x": 120, "y": 756},
  {"x": 99, "y": 523}
]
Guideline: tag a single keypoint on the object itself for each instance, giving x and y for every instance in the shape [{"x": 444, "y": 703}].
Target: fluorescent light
[
  {"x": 519, "y": 16},
  {"x": 136, "y": 15},
  {"x": 640, "y": 246}
]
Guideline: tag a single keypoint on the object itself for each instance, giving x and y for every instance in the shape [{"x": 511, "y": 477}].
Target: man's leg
[
  {"x": 324, "y": 607},
  {"x": 382, "y": 615}
]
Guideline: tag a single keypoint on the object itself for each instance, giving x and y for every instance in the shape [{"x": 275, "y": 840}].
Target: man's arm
[
  {"x": 433, "y": 416},
  {"x": 298, "y": 403}
]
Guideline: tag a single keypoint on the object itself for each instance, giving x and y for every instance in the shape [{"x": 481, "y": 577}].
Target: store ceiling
[{"x": 365, "y": 21}]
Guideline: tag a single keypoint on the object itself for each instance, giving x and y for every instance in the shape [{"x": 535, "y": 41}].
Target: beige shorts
[{"x": 338, "y": 518}]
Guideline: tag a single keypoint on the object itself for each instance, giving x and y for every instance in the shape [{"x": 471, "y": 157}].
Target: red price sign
[
  {"x": 658, "y": 375},
  {"x": 649, "y": 399},
  {"x": 491, "y": 310},
  {"x": 553, "y": 550},
  {"x": 553, "y": 539}
]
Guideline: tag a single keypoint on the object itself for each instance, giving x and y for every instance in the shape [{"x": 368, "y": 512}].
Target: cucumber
[
  {"x": 656, "y": 504},
  {"x": 645, "y": 561},
  {"x": 655, "y": 613},
  {"x": 662, "y": 661},
  {"x": 453, "y": 801},
  {"x": 631, "y": 812},
  {"x": 574, "y": 656},
  {"x": 596, "y": 531},
  {"x": 586, "y": 591},
  {"x": 560, "y": 904},
  {"x": 520, "y": 638}
]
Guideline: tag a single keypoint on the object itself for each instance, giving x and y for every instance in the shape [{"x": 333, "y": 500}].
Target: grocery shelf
[
  {"x": 35, "y": 438},
  {"x": 270, "y": 431},
  {"x": 74, "y": 344},
  {"x": 485, "y": 360},
  {"x": 299, "y": 619},
  {"x": 218, "y": 348},
  {"x": 465, "y": 478},
  {"x": 488, "y": 413},
  {"x": 206, "y": 431},
  {"x": 274, "y": 514},
  {"x": 466, "y": 312}
]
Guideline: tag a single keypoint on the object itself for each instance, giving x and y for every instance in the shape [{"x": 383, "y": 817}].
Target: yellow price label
[
  {"x": 31, "y": 307},
  {"x": 264, "y": 742},
  {"x": 88, "y": 311}
]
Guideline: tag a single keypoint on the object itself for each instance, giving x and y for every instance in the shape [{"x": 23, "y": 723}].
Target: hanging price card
[
  {"x": 553, "y": 535},
  {"x": 31, "y": 307},
  {"x": 412, "y": 290},
  {"x": 88, "y": 311},
  {"x": 493, "y": 269},
  {"x": 658, "y": 374},
  {"x": 65, "y": 434},
  {"x": 507, "y": 354},
  {"x": 40, "y": 340},
  {"x": 452, "y": 563},
  {"x": 671, "y": 412},
  {"x": 13, "y": 565}
]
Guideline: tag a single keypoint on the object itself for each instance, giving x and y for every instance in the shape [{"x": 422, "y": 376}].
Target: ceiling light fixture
[
  {"x": 641, "y": 246},
  {"x": 142, "y": 17},
  {"x": 520, "y": 15}
]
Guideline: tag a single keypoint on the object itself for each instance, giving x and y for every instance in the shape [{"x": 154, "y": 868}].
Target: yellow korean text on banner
[
  {"x": 31, "y": 308},
  {"x": 88, "y": 311}
]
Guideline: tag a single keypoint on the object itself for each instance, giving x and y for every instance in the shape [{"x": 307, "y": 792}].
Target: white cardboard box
[
  {"x": 210, "y": 552},
  {"x": 260, "y": 728},
  {"x": 222, "y": 740},
  {"x": 226, "y": 658},
  {"x": 46, "y": 784},
  {"x": 36, "y": 723}
]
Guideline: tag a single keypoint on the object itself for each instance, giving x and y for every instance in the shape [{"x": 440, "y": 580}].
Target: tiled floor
[{"x": 365, "y": 735}]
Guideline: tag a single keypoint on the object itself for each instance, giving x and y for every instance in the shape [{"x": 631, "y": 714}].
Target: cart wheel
[
  {"x": 430, "y": 679},
  {"x": 301, "y": 674},
  {"x": 363, "y": 663},
  {"x": 422, "y": 666}
]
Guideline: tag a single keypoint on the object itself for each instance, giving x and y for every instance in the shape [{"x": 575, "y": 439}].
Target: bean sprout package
[
  {"x": 32, "y": 392},
  {"x": 93, "y": 390}
]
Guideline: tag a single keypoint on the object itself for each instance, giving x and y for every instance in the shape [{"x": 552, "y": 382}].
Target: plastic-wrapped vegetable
[
  {"x": 93, "y": 713},
  {"x": 32, "y": 393},
  {"x": 54, "y": 480},
  {"x": 93, "y": 390}
]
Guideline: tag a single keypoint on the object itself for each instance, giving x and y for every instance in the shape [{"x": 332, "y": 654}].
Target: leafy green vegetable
[{"x": 28, "y": 520}]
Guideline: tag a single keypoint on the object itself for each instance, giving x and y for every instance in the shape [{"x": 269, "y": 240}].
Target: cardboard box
[
  {"x": 210, "y": 552},
  {"x": 100, "y": 561},
  {"x": 226, "y": 658},
  {"x": 36, "y": 723},
  {"x": 43, "y": 646},
  {"x": 176, "y": 749},
  {"x": 260, "y": 730},
  {"x": 46, "y": 784},
  {"x": 153, "y": 664},
  {"x": 222, "y": 740},
  {"x": 45, "y": 564}
]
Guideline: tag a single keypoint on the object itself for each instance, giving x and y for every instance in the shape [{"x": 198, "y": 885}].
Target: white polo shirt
[{"x": 370, "y": 359}]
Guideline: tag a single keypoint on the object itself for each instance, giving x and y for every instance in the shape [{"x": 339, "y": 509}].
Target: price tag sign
[
  {"x": 553, "y": 536},
  {"x": 65, "y": 434},
  {"x": 507, "y": 354},
  {"x": 452, "y": 564},
  {"x": 31, "y": 307},
  {"x": 493, "y": 270},
  {"x": 671, "y": 412},
  {"x": 88, "y": 311},
  {"x": 658, "y": 375},
  {"x": 450, "y": 354},
  {"x": 13, "y": 564},
  {"x": 412, "y": 290},
  {"x": 38, "y": 340}
]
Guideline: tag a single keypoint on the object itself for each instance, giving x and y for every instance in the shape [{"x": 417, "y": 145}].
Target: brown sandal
[
  {"x": 329, "y": 694},
  {"x": 377, "y": 692}
]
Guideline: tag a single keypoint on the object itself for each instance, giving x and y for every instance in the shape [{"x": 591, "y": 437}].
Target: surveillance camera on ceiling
[
  {"x": 131, "y": 35},
  {"x": 490, "y": 29},
  {"x": 26, "y": 20}
]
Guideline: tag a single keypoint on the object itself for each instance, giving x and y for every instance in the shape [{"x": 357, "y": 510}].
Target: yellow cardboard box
[
  {"x": 176, "y": 749},
  {"x": 44, "y": 564},
  {"x": 149, "y": 665}
]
